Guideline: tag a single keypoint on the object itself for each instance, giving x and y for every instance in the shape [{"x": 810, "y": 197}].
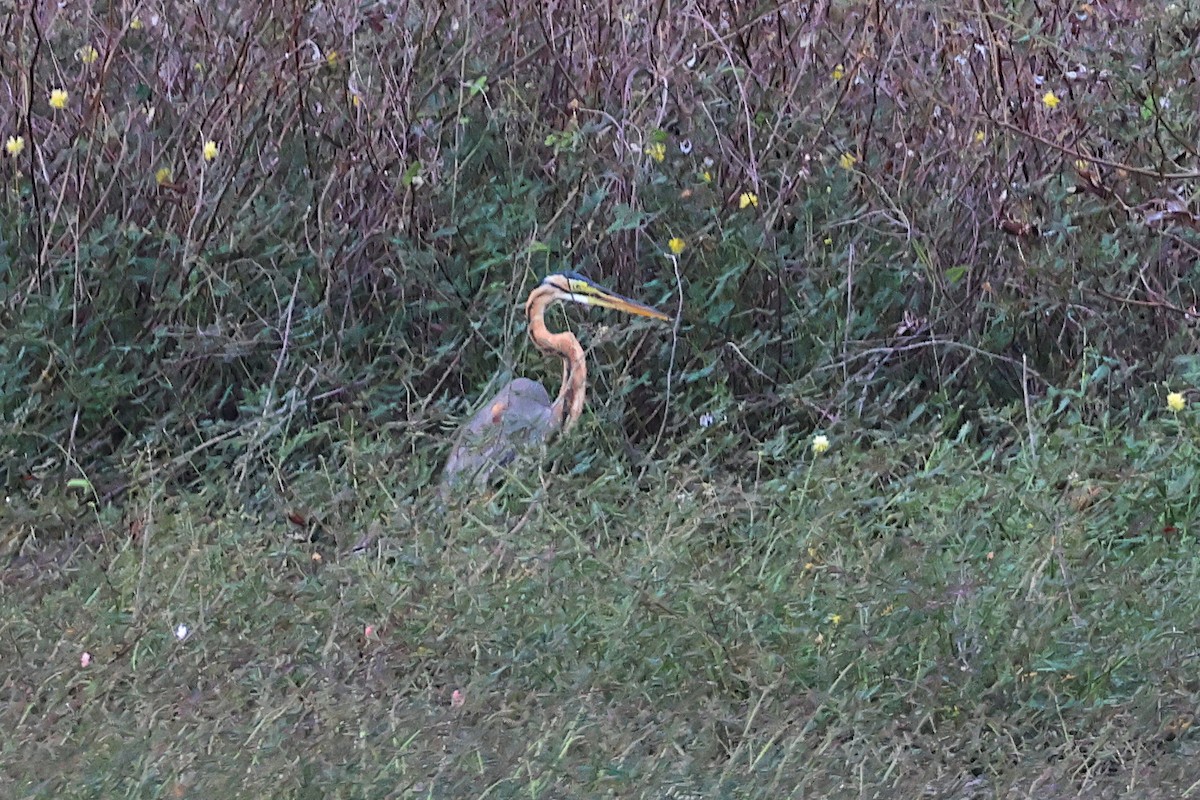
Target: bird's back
[{"x": 518, "y": 417}]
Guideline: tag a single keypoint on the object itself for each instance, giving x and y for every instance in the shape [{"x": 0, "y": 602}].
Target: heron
[{"x": 521, "y": 415}]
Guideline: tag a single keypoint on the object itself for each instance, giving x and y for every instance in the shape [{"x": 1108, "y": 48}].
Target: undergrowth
[{"x": 224, "y": 224}]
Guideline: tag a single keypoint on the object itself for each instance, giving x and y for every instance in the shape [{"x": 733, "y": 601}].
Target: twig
[
  {"x": 732, "y": 346},
  {"x": 283, "y": 346},
  {"x": 1028, "y": 406},
  {"x": 934, "y": 343},
  {"x": 1148, "y": 173},
  {"x": 662, "y": 427}
]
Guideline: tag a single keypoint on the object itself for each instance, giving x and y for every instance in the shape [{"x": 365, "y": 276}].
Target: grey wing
[{"x": 518, "y": 417}]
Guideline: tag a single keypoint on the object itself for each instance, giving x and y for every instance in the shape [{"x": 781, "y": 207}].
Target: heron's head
[{"x": 571, "y": 287}]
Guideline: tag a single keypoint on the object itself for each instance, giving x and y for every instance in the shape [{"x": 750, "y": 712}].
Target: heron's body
[
  {"x": 521, "y": 415},
  {"x": 518, "y": 417}
]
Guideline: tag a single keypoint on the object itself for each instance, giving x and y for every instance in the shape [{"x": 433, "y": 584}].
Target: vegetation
[{"x": 903, "y": 504}]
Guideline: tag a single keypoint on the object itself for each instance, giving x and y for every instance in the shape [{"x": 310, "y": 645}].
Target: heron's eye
[{"x": 558, "y": 282}]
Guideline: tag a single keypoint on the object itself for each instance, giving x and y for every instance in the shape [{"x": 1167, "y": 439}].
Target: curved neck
[{"x": 569, "y": 405}]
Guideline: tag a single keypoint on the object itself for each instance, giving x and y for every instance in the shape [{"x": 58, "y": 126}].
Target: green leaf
[
  {"x": 413, "y": 170},
  {"x": 955, "y": 274},
  {"x": 628, "y": 219}
]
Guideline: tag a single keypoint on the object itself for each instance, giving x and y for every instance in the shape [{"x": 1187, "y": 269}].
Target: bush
[{"x": 888, "y": 215}]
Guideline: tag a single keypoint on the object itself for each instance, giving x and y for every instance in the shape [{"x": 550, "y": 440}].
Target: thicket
[{"x": 225, "y": 225}]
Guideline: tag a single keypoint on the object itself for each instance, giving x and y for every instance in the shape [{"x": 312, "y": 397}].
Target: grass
[{"x": 897, "y": 617}]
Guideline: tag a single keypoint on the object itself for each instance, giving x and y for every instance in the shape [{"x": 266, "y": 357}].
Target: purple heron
[{"x": 521, "y": 414}]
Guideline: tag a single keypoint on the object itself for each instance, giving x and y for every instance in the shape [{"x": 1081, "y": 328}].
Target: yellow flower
[
  {"x": 210, "y": 150},
  {"x": 162, "y": 175},
  {"x": 1175, "y": 400},
  {"x": 838, "y": 73},
  {"x": 677, "y": 245},
  {"x": 14, "y": 145},
  {"x": 748, "y": 199},
  {"x": 356, "y": 101},
  {"x": 58, "y": 98},
  {"x": 979, "y": 137},
  {"x": 847, "y": 161},
  {"x": 331, "y": 58},
  {"x": 87, "y": 54},
  {"x": 706, "y": 176},
  {"x": 836, "y": 619},
  {"x": 820, "y": 443},
  {"x": 656, "y": 150},
  {"x": 136, "y": 23},
  {"x": 1050, "y": 100}
]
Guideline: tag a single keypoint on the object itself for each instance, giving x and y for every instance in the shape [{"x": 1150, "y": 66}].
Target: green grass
[{"x": 896, "y": 618}]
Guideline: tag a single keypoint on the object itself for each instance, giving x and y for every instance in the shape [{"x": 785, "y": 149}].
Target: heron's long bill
[{"x": 584, "y": 291}]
